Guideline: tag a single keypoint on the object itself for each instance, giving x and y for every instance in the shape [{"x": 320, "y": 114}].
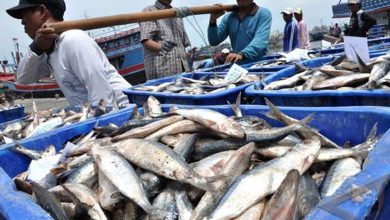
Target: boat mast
[{"x": 17, "y": 53}]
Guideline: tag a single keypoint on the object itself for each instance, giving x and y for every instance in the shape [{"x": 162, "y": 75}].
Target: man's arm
[
  {"x": 217, "y": 33},
  {"x": 369, "y": 21},
  {"x": 257, "y": 48},
  {"x": 32, "y": 68}
]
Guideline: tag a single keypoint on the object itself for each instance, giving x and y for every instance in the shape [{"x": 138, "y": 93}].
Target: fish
[
  {"x": 164, "y": 206},
  {"x": 154, "y": 107},
  {"x": 378, "y": 71},
  {"x": 340, "y": 171},
  {"x": 341, "y": 81},
  {"x": 33, "y": 154},
  {"x": 234, "y": 167},
  {"x": 122, "y": 175},
  {"x": 185, "y": 146},
  {"x": 183, "y": 126},
  {"x": 151, "y": 183},
  {"x": 308, "y": 196},
  {"x": 86, "y": 175},
  {"x": 267, "y": 136},
  {"x": 162, "y": 160},
  {"x": 49, "y": 202},
  {"x": 214, "y": 121},
  {"x": 85, "y": 198},
  {"x": 142, "y": 132},
  {"x": 283, "y": 204},
  {"x": 264, "y": 179},
  {"x": 292, "y": 81},
  {"x": 101, "y": 108},
  {"x": 108, "y": 195},
  {"x": 184, "y": 205},
  {"x": 210, "y": 165},
  {"x": 206, "y": 147}
]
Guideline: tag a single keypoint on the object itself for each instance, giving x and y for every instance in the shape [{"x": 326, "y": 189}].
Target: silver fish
[
  {"x": 148, "y": 155},
  {"x": 86, "y": 198},
  {"x": 264, "y": 179},
  {"x": 233, "y": 168},
  {"x": 122, "y": 176},
  {"x": 213, "y": 120}
]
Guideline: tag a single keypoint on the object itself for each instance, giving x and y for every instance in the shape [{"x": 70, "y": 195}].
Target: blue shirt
[
  {"x": 290, "y": 39},
  {"x": 249, "y": 36}
]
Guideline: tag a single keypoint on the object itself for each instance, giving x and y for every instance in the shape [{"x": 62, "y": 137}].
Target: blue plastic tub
[
  {"x": 317, "y": 98},
  {"x": 140, "y": 97},
  {"x": 11, "y": 114},
  {"x": 14, "y": 163},
  {"x": 347, "y": 123},
  {"x": 342, "y": 124}
]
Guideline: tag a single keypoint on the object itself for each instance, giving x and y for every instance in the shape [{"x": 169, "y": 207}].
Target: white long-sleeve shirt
[{"x": 79, "y": 66}]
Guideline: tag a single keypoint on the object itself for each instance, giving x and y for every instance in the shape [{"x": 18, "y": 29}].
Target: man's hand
[
  {"x": 167, "y": 46},
  {"x": 215, "y": 16},
  {"x": 45, "y": 37},
  {"x": 233, "y": 58}
]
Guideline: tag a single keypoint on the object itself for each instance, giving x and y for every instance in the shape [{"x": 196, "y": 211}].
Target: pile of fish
[
  {"x": 40, "y": 122},
  {"x": 341, "y": 74},
  {"x": 196, "y": 164},
  {"x": 204, "y": 85}
]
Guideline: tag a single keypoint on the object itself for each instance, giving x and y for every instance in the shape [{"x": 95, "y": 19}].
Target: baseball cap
[
  {"x": 353, "y": 2},
  {"x": 288, "y": 11},
  {"x": 56, "y": 7},
  {"x": 298, "y": 11}
]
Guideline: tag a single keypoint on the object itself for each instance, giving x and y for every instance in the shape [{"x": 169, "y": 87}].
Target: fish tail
[{"x": 275, "y": 111}]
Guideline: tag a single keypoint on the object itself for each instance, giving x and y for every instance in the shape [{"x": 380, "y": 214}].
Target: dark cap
[{"x": 56, "y": 7}]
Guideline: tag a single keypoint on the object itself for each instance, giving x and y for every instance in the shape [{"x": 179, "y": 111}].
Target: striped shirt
[{"x": 158, "y": 65}]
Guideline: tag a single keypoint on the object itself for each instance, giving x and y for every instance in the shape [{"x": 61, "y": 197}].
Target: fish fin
[
  {"x": 270, "y": 115},
  {"x": 373, "y": 133},
  {"x": 362, "y": 66},
  {"x": 307, "y": 119},
  {"x": 275, "y": 111},
  {"x": 263, "y": 83}
]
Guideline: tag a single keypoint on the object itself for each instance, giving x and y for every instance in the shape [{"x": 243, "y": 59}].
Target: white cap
[
  {"x": 288, "y": 11},
  {"x": 225, "y": 50},
  {"x": 298, "y": 11},
  {"x": 353, "y": 1}
]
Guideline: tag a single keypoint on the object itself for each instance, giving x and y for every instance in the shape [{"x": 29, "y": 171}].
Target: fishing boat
[{"x": 123, "y": 50}]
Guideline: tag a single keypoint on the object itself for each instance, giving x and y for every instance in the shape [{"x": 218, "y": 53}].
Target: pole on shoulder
[{"x": 100, "y": 22}]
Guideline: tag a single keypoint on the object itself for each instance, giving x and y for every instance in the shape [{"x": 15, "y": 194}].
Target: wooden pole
[{"x": 107, "y": 21}]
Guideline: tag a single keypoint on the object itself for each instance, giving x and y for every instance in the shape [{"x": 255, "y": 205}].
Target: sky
[{"x": 316, "y": 12}]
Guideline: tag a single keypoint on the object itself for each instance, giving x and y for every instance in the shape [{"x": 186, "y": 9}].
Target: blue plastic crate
[
  {"x": 14, "y": 163},
  {"x": 11, "y": 114},
  {"x": 341, "y": 124},
  {"x": 140, "y": 97},
  {"x": 317, "y": 98}
]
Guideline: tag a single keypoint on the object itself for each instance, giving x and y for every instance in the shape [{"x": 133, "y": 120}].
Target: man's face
[
  {"x": 353, "y": 7},
  {"x": 244, "y": 3},
  {"x": 32, "y": 20},
  {"x": 298, "y": 16},
  {"x": 287, "y": 17}
]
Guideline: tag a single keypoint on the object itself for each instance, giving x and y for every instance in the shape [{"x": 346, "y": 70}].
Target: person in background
[
  {"x": 290, "y": 38},
  {"x": 248, "y": 29},
  {"x": 336, "y": 30},
  {"x": 78, "y": 64},
  {"x": 360, "y": 21},
  {"x": 303, "y": 33},
  {"x": 164, "y": 42}
]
